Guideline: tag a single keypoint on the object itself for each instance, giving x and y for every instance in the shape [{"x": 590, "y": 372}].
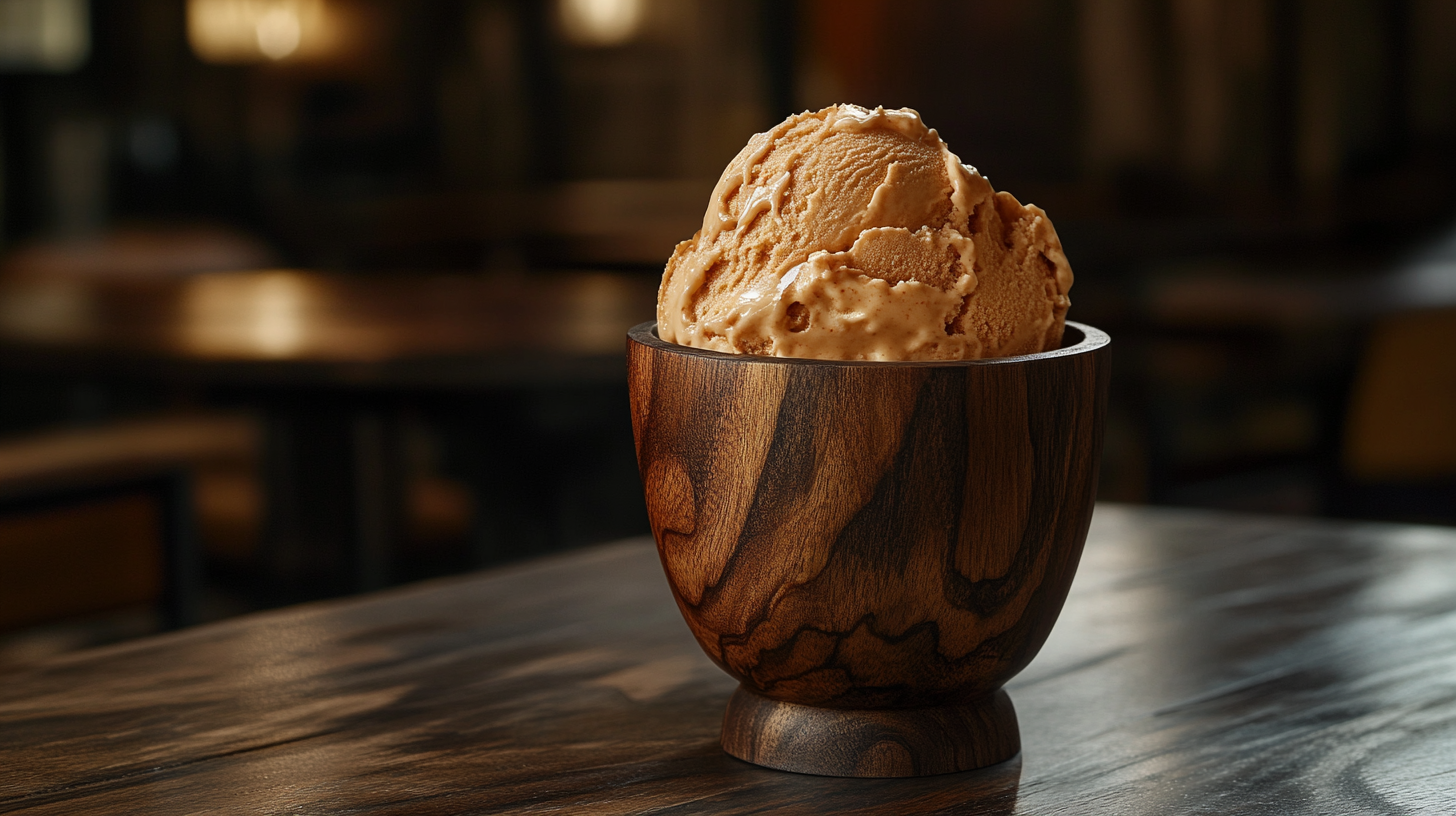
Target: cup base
[{"x": 870, "y": 743}]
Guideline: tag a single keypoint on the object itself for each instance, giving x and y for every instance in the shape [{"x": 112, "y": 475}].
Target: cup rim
[{"x": 1091, "y": 340}]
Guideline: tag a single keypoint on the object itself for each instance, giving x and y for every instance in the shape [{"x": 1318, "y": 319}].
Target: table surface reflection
[
  {"x": 320, "y": 326},
  {"x": 1204, "y": 663}
]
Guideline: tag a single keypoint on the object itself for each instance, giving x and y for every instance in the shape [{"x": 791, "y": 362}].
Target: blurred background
[{"x": 307, "y": 297}]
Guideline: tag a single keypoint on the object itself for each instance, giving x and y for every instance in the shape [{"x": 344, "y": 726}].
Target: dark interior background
[{"x": 1257, "y": 197}]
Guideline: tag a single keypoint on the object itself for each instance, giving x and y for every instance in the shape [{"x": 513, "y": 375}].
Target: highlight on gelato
[{"x": 855, "y": 234}]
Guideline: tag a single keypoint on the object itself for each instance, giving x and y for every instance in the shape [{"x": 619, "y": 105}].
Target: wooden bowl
[{"x": 870, "y": 549}]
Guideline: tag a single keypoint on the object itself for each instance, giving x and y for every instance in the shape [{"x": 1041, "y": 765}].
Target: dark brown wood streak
[{"x": 869, "y": 536}]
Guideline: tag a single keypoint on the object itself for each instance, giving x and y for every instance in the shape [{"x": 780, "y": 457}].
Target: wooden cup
[{"x": 871, "y": 549}]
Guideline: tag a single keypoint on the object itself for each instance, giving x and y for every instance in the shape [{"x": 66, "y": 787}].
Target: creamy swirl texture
[{"x": 854, "y": 234}]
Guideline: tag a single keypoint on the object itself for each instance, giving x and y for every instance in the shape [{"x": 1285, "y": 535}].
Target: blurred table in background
[
  {"x": 330, "y": 360},
  {"x": 281, "y": 327},
  {"x": 1204, "y": 663}
]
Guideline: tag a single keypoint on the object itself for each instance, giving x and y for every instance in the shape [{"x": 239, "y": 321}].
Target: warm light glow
[
  {"x": 279, "y": 32},
  {"x": 232, "y": 31},
  {"x": 45, "y": 35},
  {"x": 600, "y": 22},
  {"x": 257, "y": 314}
]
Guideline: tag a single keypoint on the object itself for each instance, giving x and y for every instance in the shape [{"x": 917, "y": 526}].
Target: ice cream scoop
[{"x": 855, "y": 234}]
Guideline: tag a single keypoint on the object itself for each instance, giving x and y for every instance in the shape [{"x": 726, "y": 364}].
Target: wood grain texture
[
  {"x": 1204, "y": 664},
  {"x": 869, "y": 535}
]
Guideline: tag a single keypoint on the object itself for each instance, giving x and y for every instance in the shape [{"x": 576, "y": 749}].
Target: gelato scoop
[{"x": 851, "y": 234}]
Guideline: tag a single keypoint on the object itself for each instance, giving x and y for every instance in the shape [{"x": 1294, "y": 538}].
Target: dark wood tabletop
[
  {"x": 294, "y": 327},
  {"x": 1204, "y": 664}
]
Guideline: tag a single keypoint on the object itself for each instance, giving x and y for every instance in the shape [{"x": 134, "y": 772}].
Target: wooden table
[
  {"x": 289, "y": 327},
  {"x": 1204, "y": 663},
  {"x": 329, "y": 359}
]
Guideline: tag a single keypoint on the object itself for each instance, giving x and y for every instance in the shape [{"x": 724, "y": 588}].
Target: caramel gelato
[{"x": 851, "y": 234}]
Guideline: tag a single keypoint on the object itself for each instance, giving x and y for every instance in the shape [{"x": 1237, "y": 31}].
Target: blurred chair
[
  {"x": 99, "y": 519},
  {"x": 1400, "y": 434}
]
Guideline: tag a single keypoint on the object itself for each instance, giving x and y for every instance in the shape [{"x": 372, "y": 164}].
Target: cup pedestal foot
[{"x": 870, "y": 743}]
